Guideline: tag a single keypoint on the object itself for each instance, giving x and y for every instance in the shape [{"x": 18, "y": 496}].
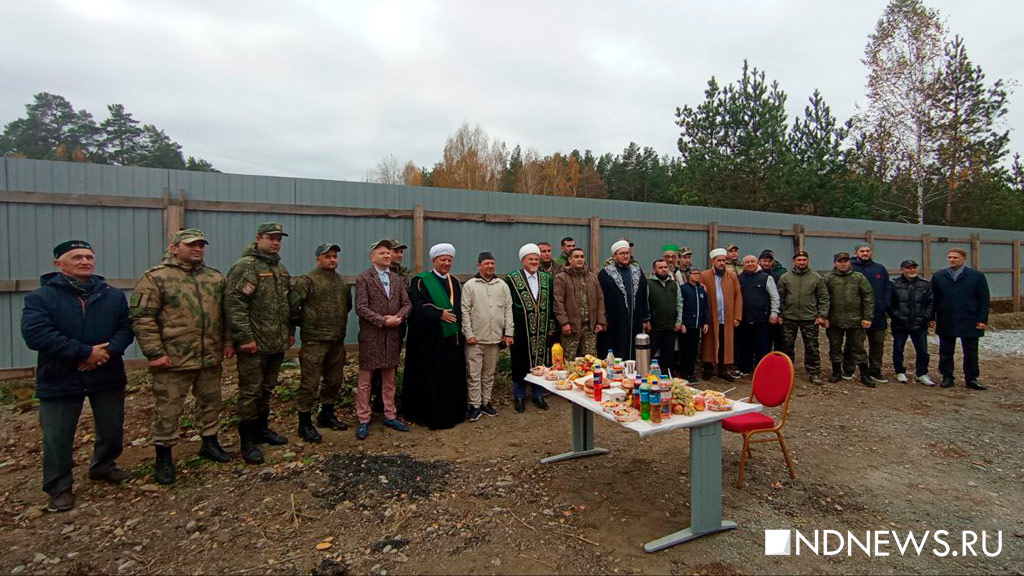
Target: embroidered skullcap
[
  {"x": 528, "y": 249},
  {"x": 443, "y": 249}
]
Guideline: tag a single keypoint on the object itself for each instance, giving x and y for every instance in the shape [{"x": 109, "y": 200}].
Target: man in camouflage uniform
[
  {"x": 851, "y": 309},
  {"x": 397, "y": 257},
  {"x": 256, "y": 307},
  {"x": 177, "y": 319},
  {"x": 319, "y": 306},
  {"x": 805, "y": 305}
]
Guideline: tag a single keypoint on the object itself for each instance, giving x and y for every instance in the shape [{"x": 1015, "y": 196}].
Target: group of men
[{"x": 188, "y": 317}]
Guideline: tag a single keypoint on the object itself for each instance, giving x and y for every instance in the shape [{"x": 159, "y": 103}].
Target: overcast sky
[{"x": 326, "y": 89}]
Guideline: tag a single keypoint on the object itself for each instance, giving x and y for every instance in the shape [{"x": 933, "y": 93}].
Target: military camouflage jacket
[
  {"x": 319, "y": 305},
  {"x": 404, "y": 273},
  {"x": 176, "y": 312},
  {"x": 256, "y": 301}
]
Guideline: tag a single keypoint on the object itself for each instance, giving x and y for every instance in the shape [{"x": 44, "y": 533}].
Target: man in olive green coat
[
  {"x": 256, "y": 306},
  {"x": 851, "y": 309},
  {"x": 319, "y": 306},
  {"x": 177, "y": 319},
  {"x": 805, "y": 303}
]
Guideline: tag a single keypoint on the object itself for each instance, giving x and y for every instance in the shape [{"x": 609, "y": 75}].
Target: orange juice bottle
[{"x": 557, "y": 359}]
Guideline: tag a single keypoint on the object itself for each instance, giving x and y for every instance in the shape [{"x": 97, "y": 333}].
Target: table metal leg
[
  {"x": 582, "y": 437},
  {"x": 705, "y": 489}
]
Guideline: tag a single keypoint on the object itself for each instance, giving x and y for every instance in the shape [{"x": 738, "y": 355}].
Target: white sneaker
[
  {"x": 901, "y": 378},
  {"x": 925, "y": 380}
]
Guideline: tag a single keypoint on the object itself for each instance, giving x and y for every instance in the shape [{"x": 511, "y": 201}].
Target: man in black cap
[
  {"x": 878, "y": 276},
  {"x": 80, "y": 326},
  {"x": 487, "y": 322},
  {"x": 911, "y": 309},
  {"x": 320, "y": 302},
  {"x": 851, "y": 306}
]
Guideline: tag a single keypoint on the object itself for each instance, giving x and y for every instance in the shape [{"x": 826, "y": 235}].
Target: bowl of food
[
  {"x": 563, "y": 385},
  {"x": 538, "y": 370},
  {"x": 562, "y": 374}
]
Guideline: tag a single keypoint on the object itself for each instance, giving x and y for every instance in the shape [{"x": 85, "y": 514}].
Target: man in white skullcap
[
  {"x": 434, "y": 381},
  {"x": 725, "y": 302},
  {"x": 534, "y": 317},
  {"x": 625, "y": 302}
]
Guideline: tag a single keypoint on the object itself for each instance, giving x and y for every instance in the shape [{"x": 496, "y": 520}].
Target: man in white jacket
[{"x": 486, "y": 323}]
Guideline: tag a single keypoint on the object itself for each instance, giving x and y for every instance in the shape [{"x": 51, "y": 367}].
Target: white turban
[
  {"x": 442, "y": 250},
  {"x": 620, "y": 245},
  {"x": 528, "y": 249},
  {"x": 717, "y": 252}
]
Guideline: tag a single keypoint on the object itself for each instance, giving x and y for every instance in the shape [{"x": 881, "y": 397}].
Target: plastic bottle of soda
[
  {"x": 655, "y": 368},
  {"x": 598, "y": 385},
  {"x": 645, "y": 399},
  {"x": 654, "y": 397},
  {"x": 666, "y": 402},
  {"x": 610, "y": 359}
]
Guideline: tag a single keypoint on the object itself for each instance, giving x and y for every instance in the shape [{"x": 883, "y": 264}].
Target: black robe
[
  {"x": 534, "y": 322},
  {"x": 434, "y": 381},
  {"x": 625, "y": 317}
]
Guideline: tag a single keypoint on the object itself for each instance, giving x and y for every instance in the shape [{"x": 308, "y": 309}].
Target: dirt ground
[{"x": 475, "y": 499}]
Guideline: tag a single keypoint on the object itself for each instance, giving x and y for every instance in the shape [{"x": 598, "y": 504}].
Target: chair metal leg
[
  {"x": 785, "y": 452},
  {"x": 743, "y": 459}
]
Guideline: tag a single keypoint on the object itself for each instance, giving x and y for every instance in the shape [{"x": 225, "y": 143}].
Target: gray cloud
[{"x": 326, "y": 89}]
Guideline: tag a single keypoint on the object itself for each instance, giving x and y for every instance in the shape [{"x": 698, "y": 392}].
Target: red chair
[{"x": 773, "y": 385}]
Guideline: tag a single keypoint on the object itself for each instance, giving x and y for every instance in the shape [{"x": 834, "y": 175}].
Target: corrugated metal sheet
[{"x": 129, "y": 240}]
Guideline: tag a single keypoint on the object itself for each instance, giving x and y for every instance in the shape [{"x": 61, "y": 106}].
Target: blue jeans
[
  {"x": 920, "y": 340},
  {"x": 519, "y": 390}
]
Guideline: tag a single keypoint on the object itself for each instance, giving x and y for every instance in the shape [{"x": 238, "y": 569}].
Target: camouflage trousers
[
  {"x": 579, "y": 344},
  {"x": 852, "y": 350},
  {"x": 169, "y": 391},
  {"x": 257, "y": 378},
  {"x": 320, "y": 361},
  {"x": 809, "y": 332}
]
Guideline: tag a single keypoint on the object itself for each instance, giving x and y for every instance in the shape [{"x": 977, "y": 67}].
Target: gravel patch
[{"x": 1004, "y": 342}]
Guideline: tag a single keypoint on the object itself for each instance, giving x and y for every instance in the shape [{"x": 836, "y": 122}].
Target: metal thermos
[{"x": 643, "y": 355}]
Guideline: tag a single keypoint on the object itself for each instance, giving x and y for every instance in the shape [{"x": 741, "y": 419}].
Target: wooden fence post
[
  {"x": 798, "y": 237},
  {"x": 1016, "y": 275},
  {"x": 976, "y": 251},
  {"x": 595, "y": 243},
  {"x": 174, "y": 213},
  {"x": 417, "y": 238},
  {"x": 712, "y": 237},
  {"x": 926, "y": 254},
  {"x": 869, "y": 237}
]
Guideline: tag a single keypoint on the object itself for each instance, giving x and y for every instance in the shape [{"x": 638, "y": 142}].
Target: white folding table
[{"x": 705, "y": 456}]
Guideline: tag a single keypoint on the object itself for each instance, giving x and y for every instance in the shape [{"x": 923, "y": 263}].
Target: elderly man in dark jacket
[
  {"x": 961, "y": 311},
  {"x": 911, "y": 309},
  {"x": 80, "y": 326},
  {"x": 878, "y": 277}
]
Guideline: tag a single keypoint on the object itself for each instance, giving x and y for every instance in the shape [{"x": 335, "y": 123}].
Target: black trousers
[
  {"x": 689, "y": 348},
  {"x": 58, "y": 418},
  {"x": 920, "y": 340},
  {"x": 947, "y": 346},
  {"x": 663, "y": 347},
  {"x": 755, "y": 341}
]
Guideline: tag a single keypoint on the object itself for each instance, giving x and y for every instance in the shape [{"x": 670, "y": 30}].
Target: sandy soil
[{"x": 475, "y": 499}]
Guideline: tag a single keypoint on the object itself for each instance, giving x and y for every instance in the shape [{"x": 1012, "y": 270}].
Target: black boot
[
  {"x": 327, "y": 419},
  {"x": 251, "y": 452},
  {"x": 163, "y": 471},
  {"x": 306, "y": 429},
  {"x": 865, "y": 376},
  {"x": 837, "y": 372},
  {"x": 211, "y": 450},
  {"x": 264, "y": 435}
]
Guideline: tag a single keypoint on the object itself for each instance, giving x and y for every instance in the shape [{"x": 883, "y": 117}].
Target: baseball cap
[
  {"x": 327, "y": 247},
  {"x": 908, "y": 264},
  {"x": 767, "y": 254},
  {"x": 270, "y": 228},
  {"x": 188, "y": 236},
  {"x": 841, "y": 256}
]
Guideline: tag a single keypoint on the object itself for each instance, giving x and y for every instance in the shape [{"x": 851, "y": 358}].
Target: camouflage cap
[
  {"x": 397, "y": 244},
  {"x": 65, "y": 247},
  {"x": 840, "y": 256},
  {"x": 380, "y": 243},
  {"x": 188, "y": 236},
  {"x": 327, "y": 247},
  {"x": 731, "y": 246},
  {"x": 270, "y": 228},
  {"x": 684, "y": 250}
]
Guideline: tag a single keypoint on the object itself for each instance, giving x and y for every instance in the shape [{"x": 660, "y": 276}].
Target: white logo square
[{"x": 777, "y": 542}]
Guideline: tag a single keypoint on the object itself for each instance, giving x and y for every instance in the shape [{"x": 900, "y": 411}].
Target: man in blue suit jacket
[
  {"x": 80, "y": 326},
  {"x": 961, "y": 311}
]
